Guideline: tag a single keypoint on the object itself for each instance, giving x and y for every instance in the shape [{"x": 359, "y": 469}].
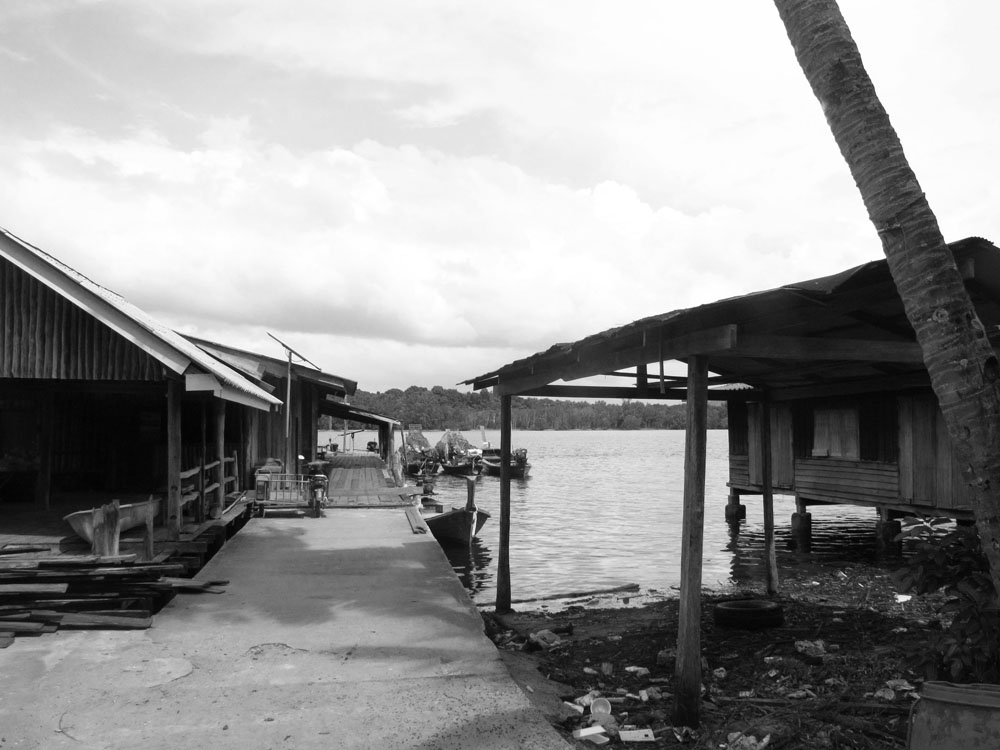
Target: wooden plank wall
[
  {"x": 846, "y": 480},
  {"x": 739, "y": 471},
  {"x": 782, "y": 456},
  {"x": 42, "y": 335},
  {"x": 928, "y": 473}
]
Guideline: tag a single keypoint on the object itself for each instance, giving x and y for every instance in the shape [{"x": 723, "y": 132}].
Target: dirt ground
[{"x": 832, "y": 675}]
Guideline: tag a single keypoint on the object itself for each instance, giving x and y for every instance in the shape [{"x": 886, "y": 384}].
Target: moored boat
[
  {"x": 459, "y": 525},
  {"x": 457, "y": 455},
  {"x": 418, "y": 456},
  {"x": 519, "y": 466},
  {"x": 462, "y": 466}
]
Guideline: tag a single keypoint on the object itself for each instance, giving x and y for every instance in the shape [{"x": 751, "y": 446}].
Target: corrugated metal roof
[{"x": 169, "y": 347}]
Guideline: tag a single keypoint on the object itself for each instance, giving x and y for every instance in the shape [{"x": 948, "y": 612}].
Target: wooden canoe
[
  {"x": 459, "y": 525},
  {"x": 130, "y": 515}
]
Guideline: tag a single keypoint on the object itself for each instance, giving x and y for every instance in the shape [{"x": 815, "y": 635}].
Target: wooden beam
[
  {"x": 173, "y": 520},
  {"x": 687, "y": 698},
  {"x": 802, "y": 348},
  {"x": 219, "y": 431},
  {"x": 503, "y": 555},
  {"x": 875, "y": 385},
  {"x": 614, "y": 392},
  {"x": 46, "y": 430}
]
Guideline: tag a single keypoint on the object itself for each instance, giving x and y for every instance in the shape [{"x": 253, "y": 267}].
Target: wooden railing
[{"x": 206, "y": 487}]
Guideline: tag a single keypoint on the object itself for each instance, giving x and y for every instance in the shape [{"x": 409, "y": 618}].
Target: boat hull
[
  {"x": 461, "y": 469},
  {"x": 130, "y": 515},
  {"x": 517, "y": 470},
  {"x": 457, "y": 526}
]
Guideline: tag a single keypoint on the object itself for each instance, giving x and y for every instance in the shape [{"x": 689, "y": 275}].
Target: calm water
[{"x": 602, "y": 509}]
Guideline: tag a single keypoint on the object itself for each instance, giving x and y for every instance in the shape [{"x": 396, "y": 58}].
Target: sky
[{"x": 416, "y": 193}]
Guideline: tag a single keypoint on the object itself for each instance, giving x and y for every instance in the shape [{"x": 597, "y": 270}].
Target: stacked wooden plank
[{"x": 43, "y": 594}]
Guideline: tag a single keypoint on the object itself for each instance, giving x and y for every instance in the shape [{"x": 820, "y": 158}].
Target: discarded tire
[{"x": 749, "y": 614}]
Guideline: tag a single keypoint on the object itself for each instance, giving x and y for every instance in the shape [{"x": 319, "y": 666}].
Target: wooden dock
[{"x": 361, "y": 480}]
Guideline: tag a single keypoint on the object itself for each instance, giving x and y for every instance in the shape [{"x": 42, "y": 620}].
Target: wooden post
[
  {"x": 173, "y": 520},
  {"x": 687, "y": 699},
  {"x": 220, "y": 454},
  {"x": 771, "y": 559},
  {"x": 200, "y": 508},
  {"x": 107, "y": 530},
  {"x": 503, "y": 555},
  {"x": 312, "y": 428},
  {"x": 46, "y": 429},
  {"x": 149, "y": 538}
]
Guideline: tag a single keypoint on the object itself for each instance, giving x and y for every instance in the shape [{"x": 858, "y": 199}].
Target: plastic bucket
[{"x": 955, "y": 717}]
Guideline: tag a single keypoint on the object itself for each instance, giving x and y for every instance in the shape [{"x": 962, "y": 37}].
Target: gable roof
[
  {"x": 257, "y": 366},
  {"x": 846, "y": 331},
  {"x": 201, "y": 371}
]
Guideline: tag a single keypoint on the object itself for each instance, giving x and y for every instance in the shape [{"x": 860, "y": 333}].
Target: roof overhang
[
  {"x": 258, "y": 366},
  {"x": 209, "y": 384},
  {"x": 346, "y": 411}
]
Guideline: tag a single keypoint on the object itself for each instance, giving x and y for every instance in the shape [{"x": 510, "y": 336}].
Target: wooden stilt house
[{"x": 828, "y": 399}]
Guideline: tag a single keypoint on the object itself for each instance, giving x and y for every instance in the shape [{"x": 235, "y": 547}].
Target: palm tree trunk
[{"x": 962, "y": 365}]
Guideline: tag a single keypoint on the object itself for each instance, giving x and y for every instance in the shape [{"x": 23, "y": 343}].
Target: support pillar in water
[
  {"x": 735, "y": 510},
  {"x": 802, "y": 527},
  {"x": 887, "y": 530}
]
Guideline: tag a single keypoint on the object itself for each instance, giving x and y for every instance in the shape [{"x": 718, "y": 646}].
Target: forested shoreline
[{"x": 441, "y": 408}]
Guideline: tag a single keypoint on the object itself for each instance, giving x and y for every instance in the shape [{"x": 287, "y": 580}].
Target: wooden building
[
  {"x": 100, "y": 401},
  {"x": 828, "y": 400}
]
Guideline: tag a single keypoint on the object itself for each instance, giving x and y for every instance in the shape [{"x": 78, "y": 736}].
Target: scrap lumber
[
  {"x": 88, "y": 592},
  {"x": 19, "y": 549}
]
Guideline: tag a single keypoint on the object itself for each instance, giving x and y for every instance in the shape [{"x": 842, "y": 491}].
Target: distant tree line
[{"x": 440, "y": 408}]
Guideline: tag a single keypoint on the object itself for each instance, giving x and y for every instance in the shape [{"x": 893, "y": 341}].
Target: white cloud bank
[{"x": 413, "y": 194}]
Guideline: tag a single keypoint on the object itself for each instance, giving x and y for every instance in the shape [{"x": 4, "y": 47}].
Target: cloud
[{"x": 453, "y": 186}]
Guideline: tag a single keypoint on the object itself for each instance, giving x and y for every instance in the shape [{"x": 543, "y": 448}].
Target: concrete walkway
[{"x": 348, "y": 631}]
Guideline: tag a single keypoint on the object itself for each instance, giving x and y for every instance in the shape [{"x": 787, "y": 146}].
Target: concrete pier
[{"x": 347, "y": 631}]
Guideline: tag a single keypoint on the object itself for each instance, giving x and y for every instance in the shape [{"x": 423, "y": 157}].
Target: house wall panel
[{"x": 44, "y": 336}]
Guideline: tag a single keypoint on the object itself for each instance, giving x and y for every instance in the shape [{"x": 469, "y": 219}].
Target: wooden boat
[
  {"x": 426, "y": 466},
  {"x": 462, "y": 466},
  {"x": 130, "y": 515},
  {"x": 459, "y": 525},
  {"x": 457, "y": 455},
  {"x": 418, "y": 456},
  {"x": 519, "y": 466}
]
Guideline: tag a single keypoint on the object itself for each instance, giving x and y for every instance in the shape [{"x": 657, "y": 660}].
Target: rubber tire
[{"x": 749, "y": 614}]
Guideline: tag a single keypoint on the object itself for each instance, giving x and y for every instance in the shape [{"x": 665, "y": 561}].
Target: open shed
[
  {"x": 828, "y": 400},
  {"x": 99, "y": 401}
]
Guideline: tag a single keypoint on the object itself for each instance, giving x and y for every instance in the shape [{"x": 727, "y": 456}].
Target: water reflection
[{"x": 472, "y": 565}]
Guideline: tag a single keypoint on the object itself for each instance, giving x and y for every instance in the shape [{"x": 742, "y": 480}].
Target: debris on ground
[{"x": 834, "y": 675}]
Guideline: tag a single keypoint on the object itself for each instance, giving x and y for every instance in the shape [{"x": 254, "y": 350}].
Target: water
[{"x": 603, "y": 509}]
